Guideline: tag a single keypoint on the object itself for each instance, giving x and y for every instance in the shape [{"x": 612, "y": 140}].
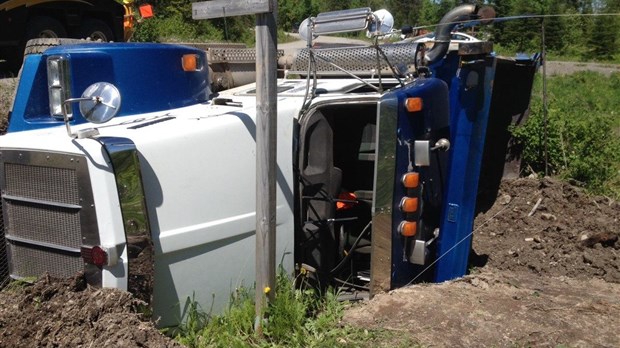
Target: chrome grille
[
  {"x": 29, "y": 262},
  {"x": 48, "y": 224},
  {"x": 42, "y": 183},
  {"x": 48, "y": 212},
  {"x": 4, "y": 262}
]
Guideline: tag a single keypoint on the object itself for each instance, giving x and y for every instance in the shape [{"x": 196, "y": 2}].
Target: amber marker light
[
  {"x": 413, "y": 104},
  {"x": 411, "y": 180},
  {"x": 190, "y": 62},
  {"x": 408, "y": 228},
  {"x": 409, "y": 205}
]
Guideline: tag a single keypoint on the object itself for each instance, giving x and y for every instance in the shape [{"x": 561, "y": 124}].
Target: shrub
[
  {"x": 165, "y": 29},
  {"x": 583, "y": 124}
]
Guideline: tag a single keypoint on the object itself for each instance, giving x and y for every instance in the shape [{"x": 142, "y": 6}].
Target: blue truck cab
[{"x": 130, "y": 67}]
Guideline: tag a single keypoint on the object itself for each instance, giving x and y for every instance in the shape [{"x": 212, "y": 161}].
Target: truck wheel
[
  {"x": 96, "y": 30},
  {"x": 44, "y": 27},
  {"x": 38, "y": 46}
]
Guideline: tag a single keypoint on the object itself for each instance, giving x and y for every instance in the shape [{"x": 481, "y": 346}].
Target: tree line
[{"x": 582, "y": 29}]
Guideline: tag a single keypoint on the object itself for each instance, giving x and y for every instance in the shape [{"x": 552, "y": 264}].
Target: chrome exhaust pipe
[{"x": 449, "y": 21}]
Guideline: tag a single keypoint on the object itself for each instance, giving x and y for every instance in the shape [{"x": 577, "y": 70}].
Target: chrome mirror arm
[
  {"x": 99, "y": 103},
  {"x": 65, "y": 114}
]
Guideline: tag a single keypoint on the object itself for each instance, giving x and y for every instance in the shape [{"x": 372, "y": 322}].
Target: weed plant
[
  {"x": 297, "y": 317},
  {"x": 583, "y": 131}
]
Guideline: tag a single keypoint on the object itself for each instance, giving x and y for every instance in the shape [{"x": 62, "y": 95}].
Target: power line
[{"x": 474, "y": 22}]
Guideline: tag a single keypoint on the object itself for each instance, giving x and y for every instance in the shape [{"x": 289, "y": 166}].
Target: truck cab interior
[{"x": 336, "y": 175}]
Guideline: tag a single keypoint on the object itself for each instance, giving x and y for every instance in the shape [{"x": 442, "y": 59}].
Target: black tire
[
  {"x": 37, "y": 46},
  {"x": 95, "y": 30},
  {"x": 45, "y": 27}
]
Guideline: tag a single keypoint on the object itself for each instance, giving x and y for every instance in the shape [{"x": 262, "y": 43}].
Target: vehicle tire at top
[
  {"x": 95, "y": 30},
  {"x": 37, "y": 46},
  {"x": 45, "y": 27}
]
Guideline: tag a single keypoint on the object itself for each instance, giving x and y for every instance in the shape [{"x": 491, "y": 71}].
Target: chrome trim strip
[
  {"x": 42, "y": 244},
  {"x": 385, "y": 167},
  {"x": 42, "y": 202},
  {"x": 123, "y": 155}
]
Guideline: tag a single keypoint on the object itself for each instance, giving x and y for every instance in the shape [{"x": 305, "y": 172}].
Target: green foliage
[
  {"x": 576, "y": 35},
  {"x": 583, "y": 128},
  {"x": 604, "y": 41},
  {"x": 296, "y": 318},
  {"x": 292, "y": 12},
  {"x": 159, "y": 29}
]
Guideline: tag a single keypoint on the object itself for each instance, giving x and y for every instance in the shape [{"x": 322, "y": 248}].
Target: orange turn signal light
[
  {"x": 413, "y": 104},
  {"x": 411, "y": 180},
  {"x": 408, "y": 228},
  {"x": 191, "y": 62},
  {"x": 409, "y": 205}
]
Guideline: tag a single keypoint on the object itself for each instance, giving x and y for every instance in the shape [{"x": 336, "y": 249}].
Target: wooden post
[
  {"x": 544, "y": 92},
  {"x": 266, "y": 122},
  {"x": 266, "y": 127}
]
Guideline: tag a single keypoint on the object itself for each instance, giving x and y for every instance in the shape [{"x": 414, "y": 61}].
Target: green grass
[
  {"x": 297, "y": 317},
  {"x": 583, "y": 128}
]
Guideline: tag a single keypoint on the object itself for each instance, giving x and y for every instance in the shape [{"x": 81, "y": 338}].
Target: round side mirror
[
  {"x": 100, "y": 102},
  {"x": 305, "y": 29}
]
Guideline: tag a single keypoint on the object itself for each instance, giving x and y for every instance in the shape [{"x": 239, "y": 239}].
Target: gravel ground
[{"x": 567, "y": 68}]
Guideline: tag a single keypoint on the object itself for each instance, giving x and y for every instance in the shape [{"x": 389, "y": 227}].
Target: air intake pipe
[{"x": 443, "y": 32}]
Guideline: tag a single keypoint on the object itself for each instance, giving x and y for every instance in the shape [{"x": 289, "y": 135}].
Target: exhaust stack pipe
[{"x": 449, "y": 21}]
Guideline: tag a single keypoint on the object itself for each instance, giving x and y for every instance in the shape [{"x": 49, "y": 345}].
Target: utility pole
[
  {"x": 544, "y": 97},
  {"x": 266, "y": 122}
]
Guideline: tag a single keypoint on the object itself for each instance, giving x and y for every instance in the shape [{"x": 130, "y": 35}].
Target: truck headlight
[{"x": 58, "y": 82}]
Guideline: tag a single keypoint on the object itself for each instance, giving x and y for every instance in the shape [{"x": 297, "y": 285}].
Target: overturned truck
[{"x": 141, "y": 178}]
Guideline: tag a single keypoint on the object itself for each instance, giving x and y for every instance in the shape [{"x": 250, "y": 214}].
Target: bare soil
[
  {"x": 68, "y": 313},
  {"x": 545, "y": 277}
]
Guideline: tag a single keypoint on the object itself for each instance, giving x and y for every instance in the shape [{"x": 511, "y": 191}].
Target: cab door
[{"x": 413, "y": 123}]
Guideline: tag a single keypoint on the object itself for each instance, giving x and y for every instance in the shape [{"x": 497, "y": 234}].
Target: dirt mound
[
  {"x": 545, "y": 273},
  {"x": 549, "y": 227},
  {"x": 54, "y": 313},
  {"x": 498, "y": 309}
]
